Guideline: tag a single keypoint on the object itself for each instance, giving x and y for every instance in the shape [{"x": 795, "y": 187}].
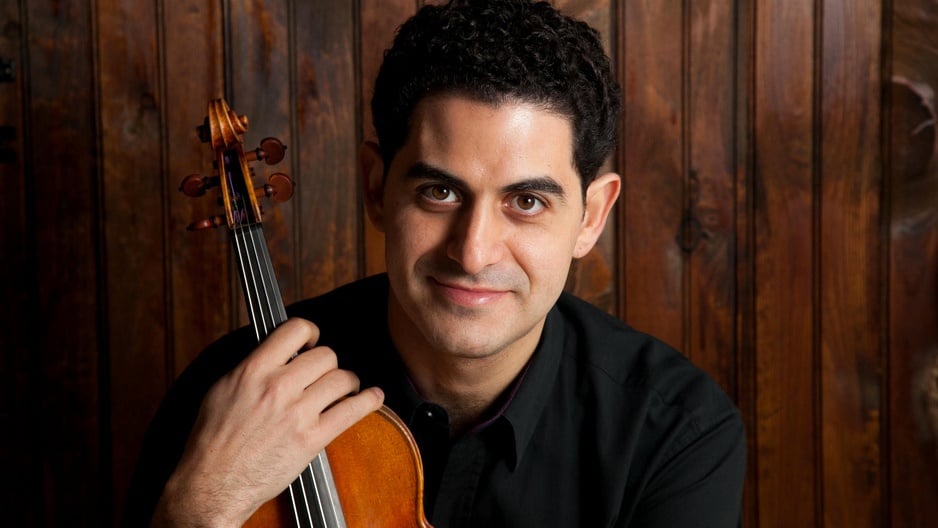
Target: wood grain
[
  {"x": 398, "y": 501},
  {"x": 912, "y": 434},
  {"x": 652, "y": 266},
  {"x": 329, "y": 229},
  {"x": 709, "y": 222},
  {"x": 65, "y": 228},
  {"x": 19, "y": 366},
  {"x": 784, "y": 282},
  {"x": 261, "y": 88},
  {"x": 744, "y": 259},
  {"x": 134, "y": 227},
  {"x": 200, "y": 292},
  {"x": 849, "y": 309}
]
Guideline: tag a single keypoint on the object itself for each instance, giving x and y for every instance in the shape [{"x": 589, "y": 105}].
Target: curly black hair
[{"x": 496, "y": 51}]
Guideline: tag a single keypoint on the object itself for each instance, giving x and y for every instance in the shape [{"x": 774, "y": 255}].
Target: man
[{"x": 530, "y": 407}]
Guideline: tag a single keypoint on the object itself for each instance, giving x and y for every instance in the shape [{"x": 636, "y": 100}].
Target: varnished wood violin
[{"x": 370, "y": 475}]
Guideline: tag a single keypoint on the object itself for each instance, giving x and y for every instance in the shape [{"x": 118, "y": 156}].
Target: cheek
[
  {"x": 545, "y": 256},
  {"x": 409, "y": 236}
]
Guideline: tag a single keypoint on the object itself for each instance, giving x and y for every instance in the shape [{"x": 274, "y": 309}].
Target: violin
[{"x": 370, "y": 475}]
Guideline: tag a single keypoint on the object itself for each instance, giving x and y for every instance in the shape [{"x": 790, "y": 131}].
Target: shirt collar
[{"x": 537, "y": 383}]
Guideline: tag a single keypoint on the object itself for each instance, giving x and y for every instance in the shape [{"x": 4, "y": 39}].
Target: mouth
[{"x": 468, "y": 295}]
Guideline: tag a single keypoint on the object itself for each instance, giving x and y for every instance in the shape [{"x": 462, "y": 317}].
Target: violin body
[{"x": 378, "y": 474}]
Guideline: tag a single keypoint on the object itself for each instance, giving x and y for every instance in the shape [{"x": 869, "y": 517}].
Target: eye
[
  {"x": 439, "y": 193},
  {"x": 528, "y": 204}
]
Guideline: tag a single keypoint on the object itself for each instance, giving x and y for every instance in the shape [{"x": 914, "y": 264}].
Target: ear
[
  {"x": 372, "y": 175},
  {"x": 601, "y": 195}
]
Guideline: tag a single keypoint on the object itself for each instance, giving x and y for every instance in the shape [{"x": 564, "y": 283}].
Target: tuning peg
[
  {"x": 271, "y": 151},
  {"x": 194, "y": 185},
  {"x": 208, "y": 223},
  {"x": 279, "y": 188}
]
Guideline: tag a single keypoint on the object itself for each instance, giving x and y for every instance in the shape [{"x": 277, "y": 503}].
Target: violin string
[
  {"x": 318, "y": 492},
  {"x": 244, "y": 264},
  {"x": 250, "y": 291},
  {"x": 275, "y": 302},
  {"x": 261, "y": 289},
  {"x": 304, "y": 497},
  {"x": 265, "y": 277},
  {"x": 259, "y": 249},
  {"x": 296, "y": 512},
  {"x": 246, "y": 281}
]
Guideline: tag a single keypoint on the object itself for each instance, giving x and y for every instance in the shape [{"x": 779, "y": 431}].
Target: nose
[{"x": 477, "y": 239}]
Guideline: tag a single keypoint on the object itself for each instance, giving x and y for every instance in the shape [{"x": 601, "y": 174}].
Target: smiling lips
[{"x": 468, "y": 296}]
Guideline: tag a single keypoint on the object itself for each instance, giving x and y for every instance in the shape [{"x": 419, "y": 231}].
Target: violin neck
[
  {"x": 313, "y": 497},
  {"x": 261, "y": 291}
]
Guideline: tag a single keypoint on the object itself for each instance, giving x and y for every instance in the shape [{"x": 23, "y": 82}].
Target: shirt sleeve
[
  {"x": 162, "y": 447},
  {"x": 701, "y": 484},
  {"x": 169, "y": 430}
]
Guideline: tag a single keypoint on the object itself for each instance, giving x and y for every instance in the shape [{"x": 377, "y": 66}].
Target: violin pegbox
[{"x": 225, "y": 129}]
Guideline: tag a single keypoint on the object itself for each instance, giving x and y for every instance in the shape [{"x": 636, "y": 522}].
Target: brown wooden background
[{"x": 779, "y": 223}]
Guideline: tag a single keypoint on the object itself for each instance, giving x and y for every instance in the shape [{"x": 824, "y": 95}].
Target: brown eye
[
  {"x": 527, "y": 203},
  {"x": 439, "y": 193}
]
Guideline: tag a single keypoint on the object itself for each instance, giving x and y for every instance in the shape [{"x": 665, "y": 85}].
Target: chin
[{"x": 465, "y": 342}]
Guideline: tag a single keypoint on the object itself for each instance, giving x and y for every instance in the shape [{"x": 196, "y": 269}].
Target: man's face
[{"x": 483, "y": 211}]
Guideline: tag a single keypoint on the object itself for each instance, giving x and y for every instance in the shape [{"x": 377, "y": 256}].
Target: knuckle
[
  {"x": 377, "y": 398},
  {"x": 323, "y": 357},
  {"x": 334, "y": 386},
  {"x": 252, "y": 368},
  {"x": 305, "y": 326},
  {"x": 345, "y": 381},
  {"x": 273, "y": 394}
]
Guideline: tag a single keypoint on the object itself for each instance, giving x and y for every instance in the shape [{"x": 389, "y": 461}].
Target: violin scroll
[{"x": 224, "y": 129}]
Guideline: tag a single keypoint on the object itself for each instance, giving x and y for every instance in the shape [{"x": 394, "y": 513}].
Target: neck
[
  {"x": 465, "y": 383},
  {"x": 466, "y": 388}
]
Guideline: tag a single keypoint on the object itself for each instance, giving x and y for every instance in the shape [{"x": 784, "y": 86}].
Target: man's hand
[{"x": 259, "y": 427}]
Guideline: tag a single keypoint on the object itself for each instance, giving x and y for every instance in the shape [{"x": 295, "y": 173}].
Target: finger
[
  {"x": 285, "y": 341},
  {"x": 309, "y": 366},
  {"x": 329, "y": 388},
  {"x": 346, "y": 413}
]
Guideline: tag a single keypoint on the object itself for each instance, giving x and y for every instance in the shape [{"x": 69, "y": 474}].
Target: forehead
[{"x": 505, "y": 141}]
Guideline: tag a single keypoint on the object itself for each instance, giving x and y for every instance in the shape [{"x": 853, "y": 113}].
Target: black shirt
[{"x": 605, "y": 426}]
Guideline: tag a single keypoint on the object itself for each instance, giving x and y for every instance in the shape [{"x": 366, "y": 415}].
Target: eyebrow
[{"x": 541, "y": 184}]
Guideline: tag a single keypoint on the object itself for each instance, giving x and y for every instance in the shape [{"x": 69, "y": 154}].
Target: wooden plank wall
[{"x": 779, "y": 223}]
